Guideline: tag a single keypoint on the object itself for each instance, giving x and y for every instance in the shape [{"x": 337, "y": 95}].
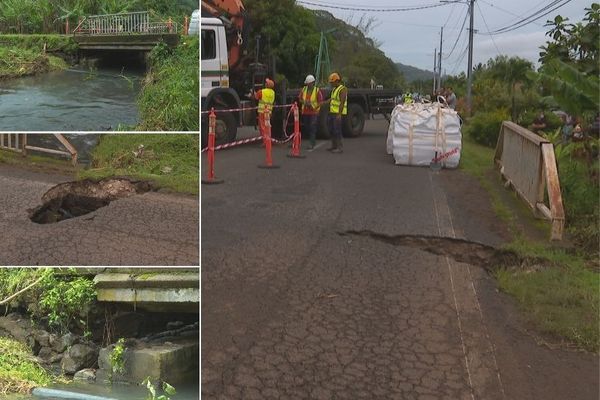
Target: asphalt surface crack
[
  {"x": 460, "y": 250},
  {"x": 74, "y": 199}
]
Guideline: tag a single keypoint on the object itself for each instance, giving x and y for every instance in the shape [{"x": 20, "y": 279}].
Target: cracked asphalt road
[
  {"x": 148, "y": 229},
  {"x": 292, "y": 309}
]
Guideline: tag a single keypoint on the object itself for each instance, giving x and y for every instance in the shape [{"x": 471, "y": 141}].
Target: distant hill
[{"x": 412, "y": 74}]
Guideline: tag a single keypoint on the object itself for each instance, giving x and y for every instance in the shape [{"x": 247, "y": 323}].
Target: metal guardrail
[
  {"x": 17, "y": 142},
  {"x": 124, "y": 24},
  {"x": 528, "y": 164}
]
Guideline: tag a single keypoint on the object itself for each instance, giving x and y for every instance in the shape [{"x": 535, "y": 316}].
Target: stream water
[
  {"x": 76, "y": 99},
  {"x": 84, "y": 143}
]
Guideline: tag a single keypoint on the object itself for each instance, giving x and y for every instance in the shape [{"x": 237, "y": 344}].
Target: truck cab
[{"x": 214, "y": 80}]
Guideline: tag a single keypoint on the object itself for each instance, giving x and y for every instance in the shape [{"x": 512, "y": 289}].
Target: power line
[
  {"x": 460, "y": 60},
  {"x": 510, "y": 12},
  {"x": 449, "y": 15},
  {"x": 379, "y": 9},
  {"x": 531, "y": 18},
  {"x": 488, "y": 28},
  {"x": 459, "y": 35}
]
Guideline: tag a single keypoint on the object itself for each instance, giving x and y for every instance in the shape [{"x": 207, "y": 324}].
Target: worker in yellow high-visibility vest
[
  {"x": 338, "y": 108},
  {"x": 310, "y": 98},
  {"x": 266, "y": 98}
]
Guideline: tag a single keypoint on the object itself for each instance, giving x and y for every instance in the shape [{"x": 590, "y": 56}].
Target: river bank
[
  {"x": 25, "y": 55},
  {"x": 54, "y": 332},
  {"x": 162, "y": 95}
]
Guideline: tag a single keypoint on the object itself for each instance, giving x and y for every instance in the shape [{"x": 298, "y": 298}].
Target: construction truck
[{"x": 230, "y": 75}]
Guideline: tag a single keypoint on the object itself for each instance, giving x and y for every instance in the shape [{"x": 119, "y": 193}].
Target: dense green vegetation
[
  {"x": 567, "y": 81},
  {"x": 291, "y": 40},
  {"x": 19, "y": 373},
  {"x": 50, "y": 16},
  {"x": 170, "y": 100},
  {"x": 171, "y": 161},
  {"x": 60, "y": 301},
  {"x": 22, "y": 55}
]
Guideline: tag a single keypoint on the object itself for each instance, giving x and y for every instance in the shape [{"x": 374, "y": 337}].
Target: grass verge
[
  {"x": 170, "y": 161},
  {"x": 19, "y": 373},
  {"x": 563, "y": 299},
  {"x": 169, "y": 100},
  {"x": 36, "y": 163}
]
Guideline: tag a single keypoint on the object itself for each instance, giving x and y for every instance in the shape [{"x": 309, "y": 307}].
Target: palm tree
[{"x": 513, "y": 71}]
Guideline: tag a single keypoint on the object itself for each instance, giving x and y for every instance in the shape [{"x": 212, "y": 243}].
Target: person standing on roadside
[
  {"x": 310, "y": 99},
  {"x": 451, "y": 98},
  {"x": 266, "y": 98},
  {"x": 338, "y": 108}
]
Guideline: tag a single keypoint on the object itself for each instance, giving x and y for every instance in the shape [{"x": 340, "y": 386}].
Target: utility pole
[
  {"x": 434, "y": 69},
  {"x": 470, "y": 63},
  {"x": 440, "y": 59}
]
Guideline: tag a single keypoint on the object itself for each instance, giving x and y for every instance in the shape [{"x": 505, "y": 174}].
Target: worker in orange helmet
[
  {"x": 266, "y": 98},
  {"x": 338, "y": 108}
]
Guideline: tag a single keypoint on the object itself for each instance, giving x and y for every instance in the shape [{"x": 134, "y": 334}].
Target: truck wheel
[
  {"x": 355, "y": 121},
  {"x": 225, "y": 128},
  {"x": 322, "y": 129}
]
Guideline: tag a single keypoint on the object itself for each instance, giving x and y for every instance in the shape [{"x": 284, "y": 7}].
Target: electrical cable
[
  {"x": 459, "y": 35},
  {"x": 556, "y": 4},
  {"x": 488, "y": 28},
  {"x": 380, "y": 9},
  {"x": 511, "y": 13}
]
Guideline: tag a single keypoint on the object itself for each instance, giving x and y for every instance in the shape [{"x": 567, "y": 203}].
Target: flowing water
[
  {"x": 76, "y": 99},
  {"x": 83, "y": 143}
]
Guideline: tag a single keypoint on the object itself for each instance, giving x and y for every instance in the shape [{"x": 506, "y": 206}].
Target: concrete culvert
[{"x": 74, "y": 199}]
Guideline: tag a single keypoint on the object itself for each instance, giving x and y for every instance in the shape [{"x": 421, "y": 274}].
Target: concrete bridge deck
[
  {"x": 159, "y": 290},
  {"x": 141, "y": 42}
]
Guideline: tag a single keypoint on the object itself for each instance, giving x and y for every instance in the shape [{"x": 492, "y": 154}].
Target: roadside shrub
[
  {"x": 170, "y": 101},
  {"x": 19, "y": 371},
  {"x": 65, "y": 301},
  {"x": 553, "y": 121},
  {"x": 484, "y": 127}
]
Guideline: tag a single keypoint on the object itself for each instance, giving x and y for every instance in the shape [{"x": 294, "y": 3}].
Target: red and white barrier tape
[
  {"x": 220, "y": 110},
  {"x": 246, "y": 141}
]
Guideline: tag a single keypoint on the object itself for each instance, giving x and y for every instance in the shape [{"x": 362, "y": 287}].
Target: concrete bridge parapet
[{"x": 153, "y": 290}]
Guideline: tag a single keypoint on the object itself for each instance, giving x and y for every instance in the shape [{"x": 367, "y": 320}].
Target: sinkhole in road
[
  {"x": 460, "y": 250},
  {"x": 74, "y": 199}
]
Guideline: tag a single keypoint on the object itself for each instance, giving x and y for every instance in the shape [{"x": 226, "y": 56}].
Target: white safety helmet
[{"x": 309, "y": 79}]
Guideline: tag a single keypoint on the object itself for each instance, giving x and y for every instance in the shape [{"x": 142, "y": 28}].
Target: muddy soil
[{"x": 74, "y": 199}]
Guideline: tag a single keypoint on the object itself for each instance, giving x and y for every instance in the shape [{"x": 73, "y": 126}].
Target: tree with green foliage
[
  {"x": 49, "y": 16},
  {"x": 288, "y": 37},
  {"x": 571, "y": 65},
  {"x": 513, "y": 72}
]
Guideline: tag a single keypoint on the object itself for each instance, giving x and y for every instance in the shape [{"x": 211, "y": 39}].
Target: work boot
[{"x": 333, "y": 144}]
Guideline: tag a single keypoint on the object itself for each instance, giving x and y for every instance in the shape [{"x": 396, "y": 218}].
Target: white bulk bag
[{"x": 417, "y": 131}]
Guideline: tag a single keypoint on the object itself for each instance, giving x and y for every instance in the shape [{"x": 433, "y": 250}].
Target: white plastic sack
[{"x": 417, "y": 131}]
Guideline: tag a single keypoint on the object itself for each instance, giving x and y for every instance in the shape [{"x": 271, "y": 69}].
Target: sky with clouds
[{"x": 410, "y": 37}]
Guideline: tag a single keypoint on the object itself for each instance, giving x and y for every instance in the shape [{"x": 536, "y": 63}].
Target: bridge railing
[
  {"x": 17, "y": 142},
  {"x": 124, "y": 24},
  {"x": 528, "y": 164}
]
